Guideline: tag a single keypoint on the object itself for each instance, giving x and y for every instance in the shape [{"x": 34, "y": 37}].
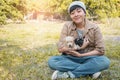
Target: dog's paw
[{"x": 77, "y": 47}]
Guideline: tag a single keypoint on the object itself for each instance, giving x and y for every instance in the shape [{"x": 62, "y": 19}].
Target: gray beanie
[{"x": 78, "y": 3}]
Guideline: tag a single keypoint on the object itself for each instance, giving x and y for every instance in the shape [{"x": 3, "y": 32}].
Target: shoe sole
[
  {"x": 54, "y": 75},
  {"x": 96, "y": 75}
]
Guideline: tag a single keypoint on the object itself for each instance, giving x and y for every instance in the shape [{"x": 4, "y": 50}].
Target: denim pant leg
[
  {"x": 62, "y": 63},
  {"x": 91, "y": 66},
  {"x": 79, "y": 66}
]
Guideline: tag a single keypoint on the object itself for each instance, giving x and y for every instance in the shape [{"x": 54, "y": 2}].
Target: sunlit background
[
  {"x": 20, "y": 10},
  {"x": 30, "y": 30}
]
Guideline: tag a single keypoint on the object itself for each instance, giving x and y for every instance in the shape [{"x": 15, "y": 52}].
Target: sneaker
[
  {"x": 57, "y": 74},
  {"x": 96, "y": 75}
]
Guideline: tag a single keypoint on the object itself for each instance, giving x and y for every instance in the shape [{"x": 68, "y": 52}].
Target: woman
[{"x": 88, "y": 61}]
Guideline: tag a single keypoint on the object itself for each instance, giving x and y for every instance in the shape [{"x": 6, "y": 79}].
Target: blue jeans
[{"x": 79, "y": 66}]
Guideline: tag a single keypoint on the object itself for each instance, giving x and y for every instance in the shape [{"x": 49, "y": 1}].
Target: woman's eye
[{"x": 72, "y": 13}]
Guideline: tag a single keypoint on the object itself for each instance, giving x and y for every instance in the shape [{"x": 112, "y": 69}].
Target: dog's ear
[{"x": 71, "y": 37}]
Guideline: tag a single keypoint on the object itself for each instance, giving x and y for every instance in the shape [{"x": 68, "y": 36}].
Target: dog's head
[
  {"x": 69, "y": 41},
  {"x": 79, "y": 41}
]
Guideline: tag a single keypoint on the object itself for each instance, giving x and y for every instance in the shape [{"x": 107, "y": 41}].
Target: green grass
[
  {"x": 111, "y": 26},
  {"x": 25, "y": 49}
]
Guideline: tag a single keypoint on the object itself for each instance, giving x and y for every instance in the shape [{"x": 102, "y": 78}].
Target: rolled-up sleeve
[{"x": 99, "y": 43}]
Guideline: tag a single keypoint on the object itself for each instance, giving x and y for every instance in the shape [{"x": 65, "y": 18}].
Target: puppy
[
  {"x": 79, "y": 41},
  {"x": 70, "y": 43},
  {"x": 76, "y": 44}
]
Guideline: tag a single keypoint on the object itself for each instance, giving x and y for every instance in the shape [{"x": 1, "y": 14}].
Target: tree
[
  {"x": 16, "y": 9},
  {"x": 11, "y": 9},
  {"x": 102, "y": 8},
  {"x": 95, "y": 8}
]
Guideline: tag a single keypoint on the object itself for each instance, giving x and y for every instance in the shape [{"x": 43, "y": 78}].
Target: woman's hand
[
  {"x": 65, "y": 49},
  {"x": 75, "y": 53}
]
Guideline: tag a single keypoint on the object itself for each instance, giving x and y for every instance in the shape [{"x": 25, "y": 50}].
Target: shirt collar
[
  {"x": 88, "y": 26},
  {"x": 73, "y": 26}
]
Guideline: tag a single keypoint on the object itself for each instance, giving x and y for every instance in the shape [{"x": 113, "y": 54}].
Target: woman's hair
[{"x": 74, "y": 7}]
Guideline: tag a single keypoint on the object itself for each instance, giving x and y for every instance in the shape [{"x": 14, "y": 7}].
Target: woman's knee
[
  {"x": 105, "y": 61},
  {"x": 52, "y": 62}
]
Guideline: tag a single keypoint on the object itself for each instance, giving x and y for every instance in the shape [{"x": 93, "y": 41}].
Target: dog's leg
[{"x": 77, "y": 47}]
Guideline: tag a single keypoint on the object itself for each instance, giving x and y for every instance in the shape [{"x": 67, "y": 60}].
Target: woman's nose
[{"x": 76, "y": 14}]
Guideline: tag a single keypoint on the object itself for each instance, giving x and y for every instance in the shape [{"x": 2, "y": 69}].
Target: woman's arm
[
  {"x": 91, "y": 53},
  {"x": 99, "y": 45},
  {"x": 61, "y": 43},
  {"x": 64, "y": 49}
]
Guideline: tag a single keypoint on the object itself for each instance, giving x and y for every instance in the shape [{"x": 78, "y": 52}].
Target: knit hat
[{"x": 78, "y": 3}]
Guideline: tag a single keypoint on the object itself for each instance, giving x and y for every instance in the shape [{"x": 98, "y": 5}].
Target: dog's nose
[{"x": 70, "y": 46}]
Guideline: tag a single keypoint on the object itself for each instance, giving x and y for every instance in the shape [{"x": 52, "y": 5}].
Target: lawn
[{"x": 25, "y": 49}]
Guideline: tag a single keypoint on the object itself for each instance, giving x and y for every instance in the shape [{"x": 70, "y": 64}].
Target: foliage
[
  {"x": 11, "y": 9},
  {"x": 35, "y": 5},
  {"x": 103, "y": 8},
  {"x": 16, "y": 9},
  {"x": 96, "y": 8}
]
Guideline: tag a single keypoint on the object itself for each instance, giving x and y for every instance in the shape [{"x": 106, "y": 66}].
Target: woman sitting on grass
[{"x": 88, "y": 61}]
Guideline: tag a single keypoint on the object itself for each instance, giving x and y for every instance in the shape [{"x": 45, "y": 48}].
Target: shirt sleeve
[
  {"x": 99, "y": 44},
  {"x": 63, "y": 34}
]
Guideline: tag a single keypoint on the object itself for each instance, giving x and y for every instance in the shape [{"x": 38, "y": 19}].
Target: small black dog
[{"x": 79, "y": 41}]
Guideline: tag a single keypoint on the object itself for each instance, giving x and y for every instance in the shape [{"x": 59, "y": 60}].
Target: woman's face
[{"x": 77, "y": 15}]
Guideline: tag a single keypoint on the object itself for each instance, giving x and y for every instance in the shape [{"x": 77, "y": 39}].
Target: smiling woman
[{"x": 86, "y": 61}]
